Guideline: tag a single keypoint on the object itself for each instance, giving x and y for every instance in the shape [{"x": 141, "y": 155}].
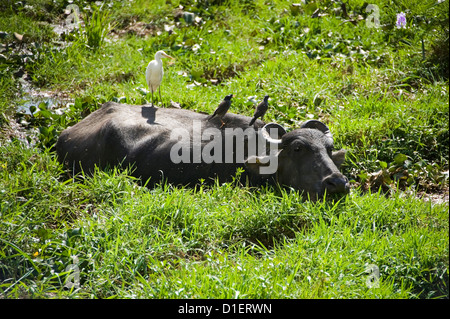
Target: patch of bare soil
[
  {"x": 140, "y": 29},
  {"x": 436, "y": 198},
  {"x": 14, "y": 130}
]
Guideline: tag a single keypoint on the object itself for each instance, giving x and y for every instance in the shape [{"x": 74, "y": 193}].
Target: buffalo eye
[{"x": 299, "y": 146}]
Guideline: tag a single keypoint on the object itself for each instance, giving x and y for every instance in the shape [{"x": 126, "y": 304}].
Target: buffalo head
[{"x": 306, "y": 160}]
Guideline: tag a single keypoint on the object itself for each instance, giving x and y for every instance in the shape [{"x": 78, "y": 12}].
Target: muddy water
[
  {"x": 31, "y": 98},
  {"x": 30, "y": 104}
]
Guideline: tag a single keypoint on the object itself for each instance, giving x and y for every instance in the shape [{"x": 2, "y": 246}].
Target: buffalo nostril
[{"x": 336, "y": 184}]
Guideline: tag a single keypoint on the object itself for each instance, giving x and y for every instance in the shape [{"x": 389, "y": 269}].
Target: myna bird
[
  {"x": 154, "y": 72},
  {"x": 222, "y": 109},
  {"x": 260, "y": 110}
]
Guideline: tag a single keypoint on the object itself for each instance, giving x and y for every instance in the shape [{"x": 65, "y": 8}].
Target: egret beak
[{"x": 168, "y": 56}]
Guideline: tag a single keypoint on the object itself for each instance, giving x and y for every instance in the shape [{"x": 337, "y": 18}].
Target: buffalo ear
[{"x": 338, "y": 158}]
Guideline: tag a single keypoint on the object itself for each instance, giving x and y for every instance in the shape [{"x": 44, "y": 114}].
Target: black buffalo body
[{"x": 146, "y": 138}]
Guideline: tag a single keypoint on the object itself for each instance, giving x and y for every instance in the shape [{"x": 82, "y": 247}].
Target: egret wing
[{"x": 153, "y": 76}]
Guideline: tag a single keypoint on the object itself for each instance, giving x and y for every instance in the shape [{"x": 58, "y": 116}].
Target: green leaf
[
  {"x": 383, "y": 164},
  {"x": 310, "y": 8},
  {"x": 44, "y": 113},
  {"x": 400, "y": 158},
  {"x": 43, "y": 233},
  {"x": 42, "y": 106},
  {"x": 32, "y": 109},
  {"x": 363, "y": 176},
  {"x": 73, "y": 232},
  {"x": 43, "y": 130}
]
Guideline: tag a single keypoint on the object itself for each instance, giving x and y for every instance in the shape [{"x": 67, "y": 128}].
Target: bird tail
[
  {"x": 252, "y": 121},
  {"x": 210, "y": 117}
]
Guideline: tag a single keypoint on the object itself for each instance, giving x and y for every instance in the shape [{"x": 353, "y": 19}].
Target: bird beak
[{"x": 168, "y": 56}]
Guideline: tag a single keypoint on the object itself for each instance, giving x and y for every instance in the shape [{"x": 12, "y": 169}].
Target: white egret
[{"x": 154, "y": 72}]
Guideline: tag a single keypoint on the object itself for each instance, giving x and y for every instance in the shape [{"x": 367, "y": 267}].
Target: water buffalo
[{"x": 182, "y": 147}]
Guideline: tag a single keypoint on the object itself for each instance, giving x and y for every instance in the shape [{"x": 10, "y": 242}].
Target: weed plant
[{"x": 97, "y": 26}]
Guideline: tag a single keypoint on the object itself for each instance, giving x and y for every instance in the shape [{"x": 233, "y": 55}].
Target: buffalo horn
[{"x": 266, "y": 135}]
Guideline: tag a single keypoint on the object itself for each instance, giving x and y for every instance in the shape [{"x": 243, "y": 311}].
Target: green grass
[
  {"x": 218, "y": 242},
  {"x": 385, "y": 104}
]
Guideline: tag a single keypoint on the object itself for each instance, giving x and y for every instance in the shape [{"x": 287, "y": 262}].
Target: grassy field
[{"x": 382, "y": 90}]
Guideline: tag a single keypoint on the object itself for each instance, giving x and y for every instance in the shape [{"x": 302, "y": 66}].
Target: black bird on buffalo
[
  {"x": 222, "y": 109},
  {"x": 260, "y": 110}
]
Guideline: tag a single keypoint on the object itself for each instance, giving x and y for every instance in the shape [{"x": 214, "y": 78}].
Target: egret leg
[{"x": 159, "y": 89}]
